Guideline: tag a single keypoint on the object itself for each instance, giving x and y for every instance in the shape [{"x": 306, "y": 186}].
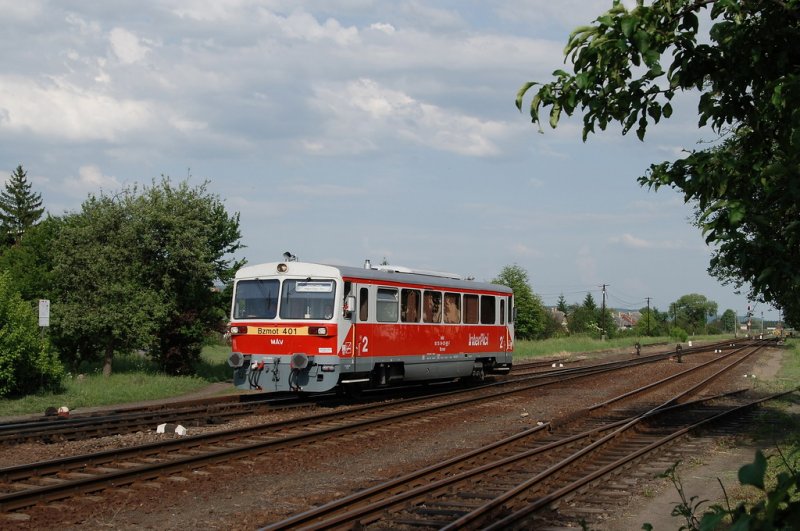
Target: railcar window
[
  {"x": 363, "y": 304},
  {"x": 432, "y": 307},
  {"x": 471, "y": 309},
  {"x": 502, "y": 311},
  {"x": 386, "y": 310},
  {"x": 511, "y": 309},
  {"x": 452, "y": 308},
  {"x": 307, "y": 299},
  {"x": 409, "y": 306},
  {"x": 256, "y": 299},
  {"x": 488, "y": 307}
]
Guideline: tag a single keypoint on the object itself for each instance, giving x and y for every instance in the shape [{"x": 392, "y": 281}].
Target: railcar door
[{"x": 360, "y": 340}]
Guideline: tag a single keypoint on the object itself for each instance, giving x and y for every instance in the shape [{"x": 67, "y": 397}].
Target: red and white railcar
[{"x": 309, "y": 327}]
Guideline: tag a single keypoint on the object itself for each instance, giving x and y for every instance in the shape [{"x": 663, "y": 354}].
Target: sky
[{"x": 349, "y": 130}]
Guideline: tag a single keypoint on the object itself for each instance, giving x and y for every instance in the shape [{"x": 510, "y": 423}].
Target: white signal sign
[{"x": 44, "y": 312}]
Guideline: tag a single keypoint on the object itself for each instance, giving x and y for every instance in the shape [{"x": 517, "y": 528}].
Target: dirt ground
[{"x": 699, "y": 478}]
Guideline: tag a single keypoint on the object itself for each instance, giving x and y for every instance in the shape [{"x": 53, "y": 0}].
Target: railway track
[
  {"x": 506, "y": 484},
  {"x": 25, "y": 485},
  {"x": 217, "y": 410},
  {"x": 191, "y": 413}
]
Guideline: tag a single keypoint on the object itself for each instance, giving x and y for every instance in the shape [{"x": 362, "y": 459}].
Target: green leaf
[
  {"x": 535, "y": 102},
  {"x": 555, "y": 114},
  {"x": 606, "y": 20},
  {"x": 628, "y": 25},
  {"x": 753, "y": 474},
  {"x": 667, "y": 110},
  {"x": 736, "y": 214},
  {"x": 641, "y": 39},
  {"x": 521, "y": 93}
]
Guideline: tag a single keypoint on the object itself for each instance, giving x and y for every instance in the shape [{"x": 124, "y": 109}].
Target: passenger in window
[{"x": 452, "y": 313}]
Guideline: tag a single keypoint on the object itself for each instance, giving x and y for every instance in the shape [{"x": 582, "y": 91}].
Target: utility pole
[
  {"x": 603, "y": 312},
  {"x": 648, "y": 315}
]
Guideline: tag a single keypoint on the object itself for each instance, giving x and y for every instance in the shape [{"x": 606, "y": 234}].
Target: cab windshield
[
  {"x": 307, "y": 299},
  {"x": 298, "y": 299}
]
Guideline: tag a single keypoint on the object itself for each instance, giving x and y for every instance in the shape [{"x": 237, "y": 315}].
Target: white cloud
[
  {"x": 301, "y": 25},
  {"x": 632, "y": 242},
  {"x": 61, "y": 109},
  {"x": 90, "y": 180},
  {"x": 361, "y": 113},
  {"x": 21, "y": 11},
  {"x": 520, "y": 249},
  {"x": 382, "y": 27},
  {"x": 127, "y": 46}
]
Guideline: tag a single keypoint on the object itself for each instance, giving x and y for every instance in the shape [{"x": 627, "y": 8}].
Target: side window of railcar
[
  {"x": 363, "y": 304},
  {"x": 511, "y": 309},
  {"x": 432, "y": 307},
  {"x": 502, "y": 311},
  {"x": 256, "y": 298},
  {"x": 471, "y": 309},
  {"x": 487, "y": 309},
  {"x": 386, "y": 310},
  {"x": 409, "y": 306},
  {"x": 452, "y": 308}
]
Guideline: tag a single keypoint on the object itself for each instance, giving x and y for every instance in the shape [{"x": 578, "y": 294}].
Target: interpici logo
[{"x": 479, "y": 341}]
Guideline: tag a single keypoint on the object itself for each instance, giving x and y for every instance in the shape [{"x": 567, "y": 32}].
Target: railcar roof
[
  {"x": 268, "y": 269},
  {"x": 419, "y": 278}
]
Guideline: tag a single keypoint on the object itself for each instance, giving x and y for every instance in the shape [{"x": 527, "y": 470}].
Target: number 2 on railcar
[{"x": 309, "y": 327}]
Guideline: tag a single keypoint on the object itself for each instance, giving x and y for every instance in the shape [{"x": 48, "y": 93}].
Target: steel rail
[
  {"x": 128, "y": 419},
  {"x": 304, "y": 519},
  {"x": 16, "y": 500},
  {"x": 27, "y": 497},
  {"x": 328, "y": 516},
  {"x": 546, "y": 500},
  {"x": 207, "y": 411},
  {"x": 499, "y": 500}
]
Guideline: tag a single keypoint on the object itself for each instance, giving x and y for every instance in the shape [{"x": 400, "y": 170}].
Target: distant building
[
  {"x": 626, "y": 320},
  {"x": 560, "y": 318}
]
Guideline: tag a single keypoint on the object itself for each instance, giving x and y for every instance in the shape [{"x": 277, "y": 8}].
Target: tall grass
[{"x": 561, "y": 346}]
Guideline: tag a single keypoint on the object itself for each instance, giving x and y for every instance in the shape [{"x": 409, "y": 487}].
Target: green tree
[
  {"x": 588, "y": 302},
  {"x": 692, "y": 311},
  {"x": 531, "y": 315},
  {"x": 30, "y": 262},
  {"x": 562, "y": 306},
  {"x": 137, "y": 271},
  {"x": 101, "y": 304},
  {"x": 20, "y": 207},
  {"x": 628, "y": 65},
  {"x": 728, "y": 320},
  {"x": 652, "y": 323},
  {"x": 27, "y": 363},
  {"x": 582, "y": 320},
  {"x": 187, "y": 237}
]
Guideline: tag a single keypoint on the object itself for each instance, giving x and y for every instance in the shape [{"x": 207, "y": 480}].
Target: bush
[
  {"x": 679, "y": 334},
  {"x": 27, "y": 362}
]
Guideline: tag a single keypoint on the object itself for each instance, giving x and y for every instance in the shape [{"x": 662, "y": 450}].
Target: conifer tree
[{"x": 20, "y": 207}]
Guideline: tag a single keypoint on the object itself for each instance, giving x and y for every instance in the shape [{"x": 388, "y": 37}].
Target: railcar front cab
[{"x": 284, "y": 325}]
